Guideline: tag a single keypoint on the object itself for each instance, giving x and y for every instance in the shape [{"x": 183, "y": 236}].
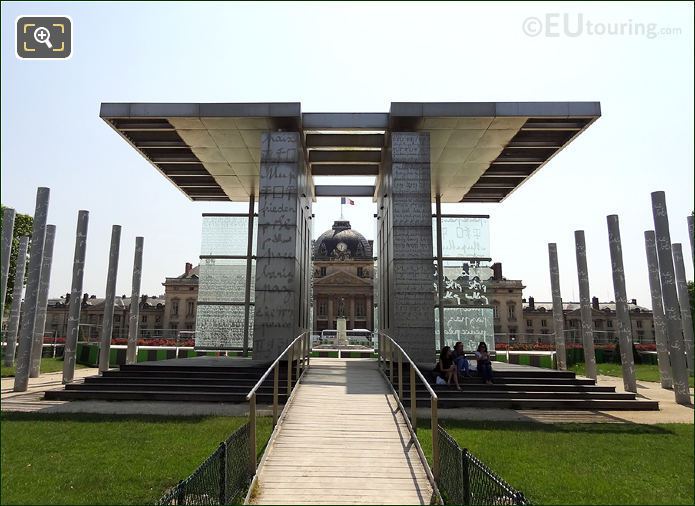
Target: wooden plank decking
[{"x": 341, "y": 442}]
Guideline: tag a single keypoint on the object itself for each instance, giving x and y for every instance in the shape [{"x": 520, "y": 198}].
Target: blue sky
[{"x": 355, "y": 57}]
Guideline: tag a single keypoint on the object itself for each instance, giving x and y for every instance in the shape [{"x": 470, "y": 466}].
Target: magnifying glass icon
[{"x": 43, "y": 36}]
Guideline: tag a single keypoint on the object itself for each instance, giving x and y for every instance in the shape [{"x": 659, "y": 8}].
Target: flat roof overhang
[{"x": 480, "y": 151}]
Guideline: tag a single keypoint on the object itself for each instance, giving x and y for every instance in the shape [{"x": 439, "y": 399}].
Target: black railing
[
  {"x": 463, "y": 479},
  {"x": 221, "y": 479}
]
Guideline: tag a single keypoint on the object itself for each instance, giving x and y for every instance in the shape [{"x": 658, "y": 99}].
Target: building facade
[
  {"x": 343, "y": 278},
  {"x": 180, "y": 298}
]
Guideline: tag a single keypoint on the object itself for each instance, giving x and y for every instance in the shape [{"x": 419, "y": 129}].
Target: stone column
[
  {"x": 684, "y": 303},
  {"x": 658, "y": 311},
  {"x": 132, "y": 352},
  {"x": 330, "y": 312},
  {"x": 44, "y": 283},
  {"x": 283, "y": 212},
  {"x": 352, "y": 311},
  {"x": 690, "y": 235},
  {"x": 7, "y": 231},
  {"x": 38, "y": 235},
  {"x": 623, "y": 313},
  {"x": 13, "y": 324},
  {"x": 75, "y": 297},
  {"x": 107, "y": 323},
  {"x": 585, "y": 305},
  {"x": 410, "y": 252},
  {"x": 558, "y": 321},
  {"x": 679, "y": 370}
]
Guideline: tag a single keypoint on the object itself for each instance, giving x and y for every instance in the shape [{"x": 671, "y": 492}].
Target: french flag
[{"x": 345, "y": 200}]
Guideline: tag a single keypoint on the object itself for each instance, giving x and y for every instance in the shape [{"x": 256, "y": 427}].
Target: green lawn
[
  {"x": 47, "y": 365},
  {"x": 644, "y": 372},
  {"x": 583, "y": 463},
  {"x": 99, "y": 459}
]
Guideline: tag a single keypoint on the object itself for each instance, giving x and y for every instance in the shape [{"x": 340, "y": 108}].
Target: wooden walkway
[{"x": 341, "y": 442}]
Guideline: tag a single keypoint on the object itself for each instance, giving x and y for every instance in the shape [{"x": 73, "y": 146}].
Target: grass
[
  {"x": 583, "y": 463},
  {"x": 48, "y": 364},
  {"x": 644, "y": 372},
  {"x": 99, "y": 459}
]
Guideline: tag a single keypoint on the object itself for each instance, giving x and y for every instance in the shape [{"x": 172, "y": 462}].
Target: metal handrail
[
  {"x": 302, "y": 341},
  {"x": 414, "y": 372}
]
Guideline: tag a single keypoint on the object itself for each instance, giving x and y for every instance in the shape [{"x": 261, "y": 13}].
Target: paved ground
[{"x": 341, "y": 442}]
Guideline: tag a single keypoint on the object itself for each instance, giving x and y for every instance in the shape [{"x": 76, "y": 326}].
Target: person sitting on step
[
  {"x": 460, "y": 360},
  {"x": 482, "y": 358},
  {"x": 446, "y": 369}
]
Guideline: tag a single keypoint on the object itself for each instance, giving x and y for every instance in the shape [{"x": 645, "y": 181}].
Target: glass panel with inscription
[
  {"x": 219, "y": 326},
  {"x": 465, "y": 283},
  {"x": 463, "y": 237},
  {"x": 224, "y": 280},
  {"x": 466, "y": 324},
  {"x": 226, "y": 235}
]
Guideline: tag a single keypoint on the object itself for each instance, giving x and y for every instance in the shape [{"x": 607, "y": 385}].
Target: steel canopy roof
[{"x": 480, "y": 151}]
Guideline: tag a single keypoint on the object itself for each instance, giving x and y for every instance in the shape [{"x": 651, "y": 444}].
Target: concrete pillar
[
  {"x": 330, "y": 312},
  {"x": 585, "y": 305},
  {"x": 15, "y": 311},
  {"x": 7, "y": 231},
  {"x": 75, "y": 297},
  {"x": 132, "y": 352},
  {"x": 109, "y": 298},
  {"x": 38, "y": 235},
  {"x": 690, "y": 235},
  {"x": 558, "y": 321},
  {"x": 684, "y": 303},
  {"x": 281, "y": 309},
  {"x": 44, "y": 283},
  {"x": 406, "y": 183},
  {"x": 679, "y": 370},
  {"x": 658, "y": 311},
  {"x": 623, "y": 313}
]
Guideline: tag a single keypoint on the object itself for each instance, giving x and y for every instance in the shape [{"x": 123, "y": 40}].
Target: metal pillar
[
  {"x": 44, "y": 283},
  {"x": 440, "y": 271},
  {"x": 75, "y": 297},
  {"x": 684, "y": 303},
  {"x": 13, "y": 324},
  {"x": 558, "y": 320},
  {"x": 134, "y": 316},
  {"x": 585, "y": 305},
  {"x": 674, "y": 330},
  {"x": 107, "y": 323},
  {"x": 38, "y": 235},
  {"x": 247, "y": 296},
  {"x": 7, "y": 233},
  {"x": 690, "y": 235},
  {"x": 658, "y": 311},
  {"x": 624, "y": 326}
]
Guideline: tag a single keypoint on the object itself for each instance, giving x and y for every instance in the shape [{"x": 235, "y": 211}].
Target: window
[
  {"x": 143, "y": 320},
  {"x": 639, "y": 324},
  {"x": 360, "y": 272},
  {"x": 117, "y": 318},
  {"x": 529, "y": 323},
  {"x": 189, "y": 326},
  {"x": 359, "y": 308},
  {"x": 640, "y": 336},
  {"x": 158, "y": 318},
  {"x": 322, "y": 308},
  {"x": 512, "y": 332},
  {"x": 511, "y": 310},
  {"x": 495, "y": 311},
  {"x": 322, "y": 272},
  {"x": 190, "y": 307},
  {"x": 175, "y": 307},
  {"x": 174, "y": 326},
  {"x": 598, "y": 324},
  {"x": 609, "y": 324},
  {"x": 544, "y": 323}
]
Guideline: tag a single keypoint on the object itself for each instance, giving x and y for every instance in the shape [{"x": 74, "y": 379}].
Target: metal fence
[
  {"x": 463, "y": 479},
  {"x": 221, "y": 479}
]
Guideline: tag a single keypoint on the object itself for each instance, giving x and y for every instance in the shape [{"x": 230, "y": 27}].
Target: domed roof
[{"x": 342, "y": 243}]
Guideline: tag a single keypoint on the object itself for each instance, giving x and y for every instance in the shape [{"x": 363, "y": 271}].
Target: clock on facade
[{"x": 342, "y": 247}]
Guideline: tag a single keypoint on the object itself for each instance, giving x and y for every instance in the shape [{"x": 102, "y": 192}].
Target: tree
[{"x": 22, "y": 226}]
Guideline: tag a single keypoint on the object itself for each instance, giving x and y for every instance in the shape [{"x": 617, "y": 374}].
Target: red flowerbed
[{"x": 156, "y": 342}]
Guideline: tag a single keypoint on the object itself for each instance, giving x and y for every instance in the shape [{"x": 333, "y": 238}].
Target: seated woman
[
  {"x": 446, "y": 369},
  {"x": 482, "y": 358},
  {"x": 460, "y": 359}
]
